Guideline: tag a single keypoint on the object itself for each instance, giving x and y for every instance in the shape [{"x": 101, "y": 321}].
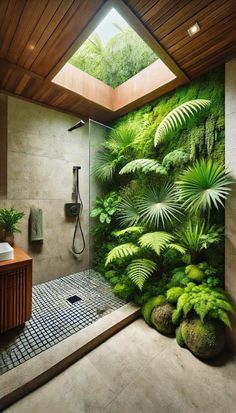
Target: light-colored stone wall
[
  {"x": 41, "y": 154},
  {"x": 230, "y": 161}
]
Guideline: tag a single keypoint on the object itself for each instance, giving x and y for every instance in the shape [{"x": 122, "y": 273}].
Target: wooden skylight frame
[{"x": 139, "y": 89}]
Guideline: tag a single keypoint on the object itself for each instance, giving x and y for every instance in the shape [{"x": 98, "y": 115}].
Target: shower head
[{"x": 77, "y": 125}]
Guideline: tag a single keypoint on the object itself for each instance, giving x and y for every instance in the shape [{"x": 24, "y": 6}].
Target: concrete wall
[
  {"x": 230, "y": 160},
  {"x": 40, "y": 157}
]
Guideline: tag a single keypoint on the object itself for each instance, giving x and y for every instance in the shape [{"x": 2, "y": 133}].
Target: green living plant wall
[
  {"x": 159, "y": 231},
  {"x": 159, "y": 235}
]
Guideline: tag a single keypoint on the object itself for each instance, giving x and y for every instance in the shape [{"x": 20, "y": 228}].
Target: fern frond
[
  {"x": 129, "y": 230},
  {"x": 144, "y": 165},
  {"x": 177, "y": 248},
  {"x": 121, "y": 251},
  {"x": 156, "y": 241},
  {"x": 139, "y": 270},
  {"x": 178, "y": 118}
]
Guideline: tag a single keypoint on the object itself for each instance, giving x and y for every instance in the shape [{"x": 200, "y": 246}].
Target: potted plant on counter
[{"x": 9, "y": 218}]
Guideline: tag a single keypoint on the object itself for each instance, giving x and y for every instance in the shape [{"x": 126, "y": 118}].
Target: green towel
[{"x": 36, "y": 224}]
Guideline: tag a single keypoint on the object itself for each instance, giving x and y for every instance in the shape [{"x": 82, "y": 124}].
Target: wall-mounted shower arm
[{"x": 77, "y": 125}]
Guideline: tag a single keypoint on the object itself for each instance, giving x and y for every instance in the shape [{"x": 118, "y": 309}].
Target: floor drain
[{"x": 73, "y": 299}]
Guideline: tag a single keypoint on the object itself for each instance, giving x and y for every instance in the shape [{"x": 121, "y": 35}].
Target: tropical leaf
[
  {"x": 139, "y": 270},
  {"x": 144, "y": 165},
  {"x": 179, "y": 117},
  {"x": 177, "y": 248},
  {"x": 121, "y": 251},
  {"x": 121, "y": 138},
  {"x": 158, "y": 206},
  {"x": 129, "y": 230},
  {"x": 157, "y": 241},
  {"x": 204, "y": 186},
  {"x": 128, "y": 214},
  {"x": 197, "y": 237},
  {"x": 104, "y": 166}
]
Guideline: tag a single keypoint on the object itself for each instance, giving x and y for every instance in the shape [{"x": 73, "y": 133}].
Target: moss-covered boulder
[
  {"x": 161, "y": 319},
  {"x": 173, "y": 294},
  {"x": 150, "y": 305},
  {"x": 179, "y": 337},
  {"x": 205, "y": 340}
]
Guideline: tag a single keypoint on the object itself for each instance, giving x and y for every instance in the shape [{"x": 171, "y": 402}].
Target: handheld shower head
[{"x": 77, "y": 125}]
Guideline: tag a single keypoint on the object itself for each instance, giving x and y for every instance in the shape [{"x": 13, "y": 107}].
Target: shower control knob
[{"x": 72, "y": 209}]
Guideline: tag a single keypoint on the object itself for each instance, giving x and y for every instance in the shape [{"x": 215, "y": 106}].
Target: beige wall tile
[{"x": 41, "y": 155}]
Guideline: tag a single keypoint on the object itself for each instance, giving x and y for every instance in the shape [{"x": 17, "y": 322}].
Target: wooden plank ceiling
[{"x": 37, "y": 38}]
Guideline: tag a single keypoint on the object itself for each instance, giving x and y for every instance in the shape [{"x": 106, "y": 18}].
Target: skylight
[{"x": 114, "y": 52}]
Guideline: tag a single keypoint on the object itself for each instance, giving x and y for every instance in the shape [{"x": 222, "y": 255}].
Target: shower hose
[{"x": 78, "y": 227}]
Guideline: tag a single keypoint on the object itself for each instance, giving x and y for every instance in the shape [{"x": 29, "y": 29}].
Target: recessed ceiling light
[
  {"x": 31, "y": 46},
  {"x": 195, "y": 28}
]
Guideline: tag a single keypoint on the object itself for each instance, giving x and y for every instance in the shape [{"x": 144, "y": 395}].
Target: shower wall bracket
[{"x": 72, "y": 209}]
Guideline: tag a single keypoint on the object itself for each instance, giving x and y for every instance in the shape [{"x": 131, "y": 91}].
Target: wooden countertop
[{"x": 19, "y": 257}]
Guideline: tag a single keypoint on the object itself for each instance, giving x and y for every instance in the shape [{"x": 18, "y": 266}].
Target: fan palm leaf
[
  {"x": 158, "y": 206},
  {"x": 204, "y": 185},
  {"x": 144, "y": 165},
  {"x": 127, "y": 213},
  {"x": 139, "y": 270},
  {"x": 104, "y": 166},
  {"x": 121, "y": 138},
  {"x": 121, "y": 251},
  {"x": 179, "y": 117}
]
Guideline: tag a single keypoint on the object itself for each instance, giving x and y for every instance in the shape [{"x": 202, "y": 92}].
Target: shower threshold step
[{"x": 26, "y": 377}]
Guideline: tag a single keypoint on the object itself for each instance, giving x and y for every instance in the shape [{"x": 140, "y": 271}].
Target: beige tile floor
[{"x": 137, "y": 371}]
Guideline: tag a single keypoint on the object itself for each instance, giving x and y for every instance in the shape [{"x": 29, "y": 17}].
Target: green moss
[
  {"x": 161, "y": 319},
  {"x": 194, "y": 273},
  {"x": 150, "y": 305},
  {"x": 173, "y": 294},
  {"x": 110, "y": 274},
  {"x": 179, "y": 337},
  {"x": 205, "y": 340},
  {"x": 114, "y": 280}
]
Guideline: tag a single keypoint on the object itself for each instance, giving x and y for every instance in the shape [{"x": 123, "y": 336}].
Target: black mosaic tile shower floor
[{"x": 55, "y": 318}]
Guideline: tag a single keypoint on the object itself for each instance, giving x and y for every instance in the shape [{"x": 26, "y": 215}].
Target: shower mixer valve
[{"x": 72, "y": 209}]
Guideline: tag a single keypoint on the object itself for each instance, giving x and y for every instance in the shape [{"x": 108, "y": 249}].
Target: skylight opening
[{"x": 114, "y": 52}]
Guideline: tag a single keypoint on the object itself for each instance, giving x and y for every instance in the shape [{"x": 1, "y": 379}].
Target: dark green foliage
[
  {"x": 106, "y": 207},
  {"x": 204, "y": 302},
  {"x": 121, "y": 58},
  {"x": 161, "y": 319},
  {"x": 178, "y": 278},
  {"x": 150, "y": 305},
  {"x": 173, "y": 294},
  {"x": 176, "y": 159},
  {"x": 131, "y": 147},
  {"x": 205, "y": 340},
  {"x": 9, "y": 218}
]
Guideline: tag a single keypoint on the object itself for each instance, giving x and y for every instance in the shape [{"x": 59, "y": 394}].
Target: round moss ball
[
  {"x": 179, "y": 337},
  {"x": 173, "y": 294},
  {"x": 161, "y": 319},
  {"x": 194, "y": 273},
  {"x": 150, "y": 305},
  {"x": 205, "y": 340}
]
